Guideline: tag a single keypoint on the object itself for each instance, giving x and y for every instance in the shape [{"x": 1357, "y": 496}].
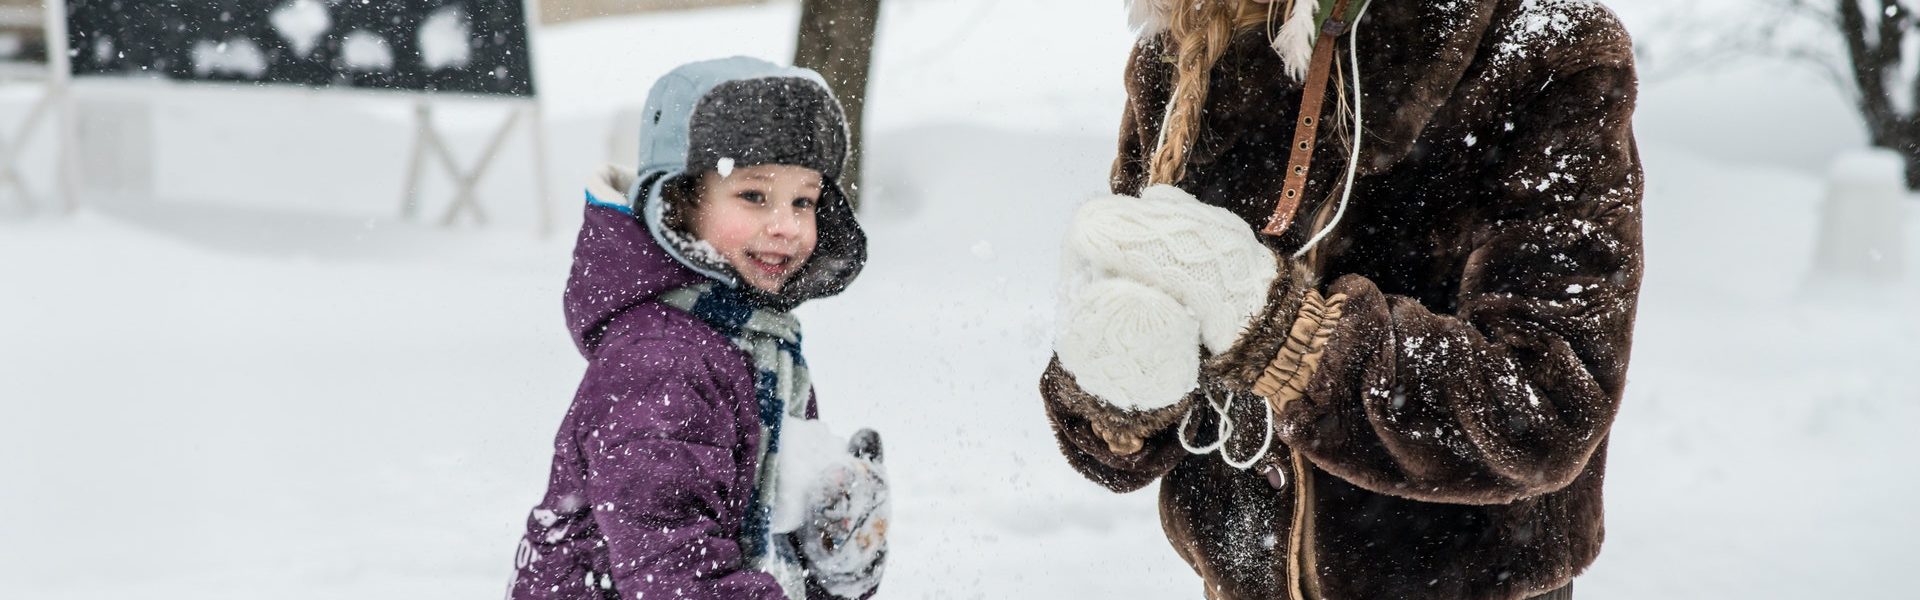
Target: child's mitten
[{"x": 844, "y": 535}]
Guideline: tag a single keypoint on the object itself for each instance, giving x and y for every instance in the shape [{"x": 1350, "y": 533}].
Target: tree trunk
[
  {"x": 1874, "y": 31},
  {"x": 836, "y": 39}
]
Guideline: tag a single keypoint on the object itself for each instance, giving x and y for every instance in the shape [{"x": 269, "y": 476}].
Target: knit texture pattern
[
  {"x": 1202, "y": 256},
  {"x": 1130, "y": 344}
]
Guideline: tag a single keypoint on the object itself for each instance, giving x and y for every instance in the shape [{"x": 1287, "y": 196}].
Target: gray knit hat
[
  {"x": 741, "y": 112},
  {"x": 771, "y": 120}
]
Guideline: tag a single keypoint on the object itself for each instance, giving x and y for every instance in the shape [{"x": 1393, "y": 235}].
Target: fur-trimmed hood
[
  {"x": 717, "y": 114},
  {"x": 619, "y": 262},
  {"x": 1148, "y": 17}
]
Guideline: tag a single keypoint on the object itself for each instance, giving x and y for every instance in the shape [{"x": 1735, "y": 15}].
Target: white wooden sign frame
[
  {"x": 54, "y": 104},
  {"x": 429, "y": 142}
]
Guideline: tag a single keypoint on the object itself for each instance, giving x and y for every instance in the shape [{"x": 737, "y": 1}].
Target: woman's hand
[
  {"x": 1150, "y": 285},
  {"x": 1202, "y": 256}
]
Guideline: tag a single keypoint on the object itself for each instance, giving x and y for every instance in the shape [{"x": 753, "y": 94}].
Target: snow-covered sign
[{"x": 458, "y": 46}]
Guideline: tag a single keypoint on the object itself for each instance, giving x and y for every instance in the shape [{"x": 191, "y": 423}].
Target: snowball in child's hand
[
  {"x": 808, "y": 448},
  {"x": 845, "y": 536}
]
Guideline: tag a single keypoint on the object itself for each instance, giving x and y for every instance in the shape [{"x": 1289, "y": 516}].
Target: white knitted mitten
[
  {"x": 1147, "y": 282},
  {"x": 1203, "y": 256},
  {"x": 1129, "y": 344}
]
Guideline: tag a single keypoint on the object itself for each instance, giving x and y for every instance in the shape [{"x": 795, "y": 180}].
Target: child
[{"x": 690, "y": 464}]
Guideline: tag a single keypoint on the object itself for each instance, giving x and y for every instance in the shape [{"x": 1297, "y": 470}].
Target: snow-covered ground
[{"x": 257, "y": 383}]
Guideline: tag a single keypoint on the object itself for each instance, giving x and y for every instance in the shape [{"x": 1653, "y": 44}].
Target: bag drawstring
[{"x": 1224, "y": 431}]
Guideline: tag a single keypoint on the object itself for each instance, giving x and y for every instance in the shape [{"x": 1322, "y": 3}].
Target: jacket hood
[{"x": 617, "y": 263}]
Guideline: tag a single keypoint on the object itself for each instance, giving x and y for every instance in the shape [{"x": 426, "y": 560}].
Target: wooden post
[
  {"x": 422, "y": 131},
  {"x": 430, "y": 148},
  {"x": 836, "y": 39}
]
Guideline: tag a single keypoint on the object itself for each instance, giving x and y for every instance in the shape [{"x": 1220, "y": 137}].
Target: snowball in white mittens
[
  {"x": 1129, "y": 344},
  {"x": 1203, "y": 256}
]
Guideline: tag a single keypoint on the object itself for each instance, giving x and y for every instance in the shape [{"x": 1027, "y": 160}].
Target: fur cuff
[
  {"x": 1286, "y": 377},
  {"x": 1266, "y": 335},
  {"x": 1114, "y": 424}
]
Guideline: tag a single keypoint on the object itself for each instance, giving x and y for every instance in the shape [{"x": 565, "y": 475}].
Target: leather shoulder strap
[{"x": 1306, "y": 131}]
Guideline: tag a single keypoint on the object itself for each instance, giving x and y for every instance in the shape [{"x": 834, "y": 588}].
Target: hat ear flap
[{"x": 663, "y": 126}]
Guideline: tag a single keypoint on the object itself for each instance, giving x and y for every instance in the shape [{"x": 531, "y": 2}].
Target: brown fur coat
[{"x": 1454, "y": 438}]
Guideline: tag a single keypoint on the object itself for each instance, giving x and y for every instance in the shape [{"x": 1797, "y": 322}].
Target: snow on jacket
[
  {"x": 654, "y": 465},
  {"x": 1455, "y": 435}
]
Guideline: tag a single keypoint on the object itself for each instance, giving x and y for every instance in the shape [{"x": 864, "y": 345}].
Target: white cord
[
  {"x": 1266, "y": 442},
  {"x": 1359, "y": 135},
  {"x": 1224, "y": 431}
]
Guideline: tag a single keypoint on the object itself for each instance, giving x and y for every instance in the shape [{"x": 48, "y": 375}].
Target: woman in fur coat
[{"x": 1392, "y": 375}]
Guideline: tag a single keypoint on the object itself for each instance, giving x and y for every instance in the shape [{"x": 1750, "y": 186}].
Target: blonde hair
[{"x": 1199, "y": 36}]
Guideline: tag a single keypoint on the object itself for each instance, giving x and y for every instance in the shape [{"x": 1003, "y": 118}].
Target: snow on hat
[{"x": 741, "y": 112}]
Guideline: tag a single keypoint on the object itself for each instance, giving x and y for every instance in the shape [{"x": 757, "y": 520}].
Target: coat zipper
[{"x": 1302, "y": 561}]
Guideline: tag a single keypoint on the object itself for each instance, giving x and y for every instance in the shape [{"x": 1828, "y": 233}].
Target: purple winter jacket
[{"x": 655, "y": 463}]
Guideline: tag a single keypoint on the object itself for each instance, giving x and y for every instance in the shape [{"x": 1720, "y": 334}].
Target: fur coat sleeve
[
  {"x": 1066, "y": 408},
  {"x": 1508, "y": 394}
]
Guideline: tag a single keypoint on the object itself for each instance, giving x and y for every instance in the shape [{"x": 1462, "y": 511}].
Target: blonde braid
[{"x": 1200, "y": 36}]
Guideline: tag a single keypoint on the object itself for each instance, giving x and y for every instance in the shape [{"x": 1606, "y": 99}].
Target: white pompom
[
  {"x": 1148, "y": 17},
  {"x": 1295, "y": 40}
]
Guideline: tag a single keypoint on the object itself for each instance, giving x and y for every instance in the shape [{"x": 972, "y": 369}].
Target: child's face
[{"x": 761, "y": 220}]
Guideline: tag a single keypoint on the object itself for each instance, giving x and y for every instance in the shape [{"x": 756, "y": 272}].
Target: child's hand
[{"x": 845, "y": 534}]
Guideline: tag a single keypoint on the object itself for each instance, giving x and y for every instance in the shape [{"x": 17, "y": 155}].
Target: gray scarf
[{"x": 771, "y": 339}]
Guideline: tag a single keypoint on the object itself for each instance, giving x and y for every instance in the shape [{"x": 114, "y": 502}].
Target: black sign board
[{"x": 453, "y": 46}]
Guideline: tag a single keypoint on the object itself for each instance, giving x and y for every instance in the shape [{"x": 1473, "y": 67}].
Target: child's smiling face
[{"x": 761, "y": 220}]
